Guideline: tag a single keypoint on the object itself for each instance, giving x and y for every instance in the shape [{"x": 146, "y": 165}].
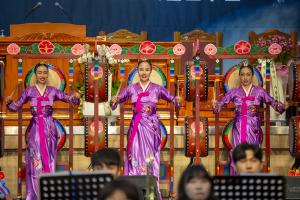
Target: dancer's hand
[
  {"x": 178, "y": 100},
  {"x": 214, "y": 103},
  {"x": 287, "y": 104},
  {"x": 8, "y": 99},
  {"x": 113, "y": 100}
]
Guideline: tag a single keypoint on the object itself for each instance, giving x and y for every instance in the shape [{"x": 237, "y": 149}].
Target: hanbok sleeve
[
  {"x": 166, "y": 95},
  {"x": 225, "y": 100},
  {"x": 122, "y": 97},
  {"x": 278, "y": 106},
  {"x": 15, "y": 106},
  {"x": 61, "y": 96}
]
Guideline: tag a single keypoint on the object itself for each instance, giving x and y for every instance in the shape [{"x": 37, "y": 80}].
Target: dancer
[
  {"x": 247, "y": 99},
  {"x": 41, "y": 142},
  {"x": 143, "y": 148}
]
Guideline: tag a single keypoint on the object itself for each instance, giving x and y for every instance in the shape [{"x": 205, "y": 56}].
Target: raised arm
[
  {"x": 166, "y": 95},
  {"x": 278, "y": 106},
  {"x": 61, "y": 96},
  {"x": 120, "y": 98},
  {"x": 15, "y": 106},
  {"x": 225, "y": 100}
]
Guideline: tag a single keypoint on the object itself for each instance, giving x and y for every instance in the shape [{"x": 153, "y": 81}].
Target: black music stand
[
  {"x": 249, "y": 187},
  {"x": 73, "y": 185}
]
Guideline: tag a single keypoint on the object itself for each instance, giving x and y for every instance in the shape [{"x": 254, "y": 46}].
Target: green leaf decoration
[
  {"x": 124, "y": 51},
  {"x": 266, "y": 50},
  {"x": 34, "y": 48},
  {"x": 159, "y": 49},
  {"x": 170, "y": 51},
  {"x": 114, "y": 88},
  {"x": 58, "y": 48},
  {"x": 67, "y": 50},
  {"x": 23, "y": 50},
  {"x": 254, "y": 49},
  {"x": 134, "y": 49},
  {"x": 230, "y": 49},
  {"x": 220, "y": 50}
]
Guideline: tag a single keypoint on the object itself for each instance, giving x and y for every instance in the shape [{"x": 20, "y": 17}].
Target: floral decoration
[
  {"x": 77, "y": 49},
  {"x": 13, "y": 49},
  {"x": 115, "y": 49},
  {"x": 275, "y": 49},
  {"x": 46, "y": 47},
  {"x": 210, "y": 49},
  {"x": 242, "y": 47},
  {"x": 179, "y": 49},
  {"x": 147, "y": 47}
]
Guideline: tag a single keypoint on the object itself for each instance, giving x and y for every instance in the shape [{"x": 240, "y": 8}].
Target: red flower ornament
[
  {"x": 147, "y": 47},
  {"x": 13, "y": 49},
  {"x": 275, "y": 49},
  {"x": 46, "y": 47},
  {"x": 242, "y": 47},
  {"x": 179, "y": 49}
]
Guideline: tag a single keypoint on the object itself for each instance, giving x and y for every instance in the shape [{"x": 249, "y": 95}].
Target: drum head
[
  {"x": 157, "y": 76},
  {"x": 232, "y": 78},
  {"x": 61, "y": 134},
  {"x": 89, "y": 134},
  {"x": 56, "y": 78},
  {"x": 163, "y": 134}
]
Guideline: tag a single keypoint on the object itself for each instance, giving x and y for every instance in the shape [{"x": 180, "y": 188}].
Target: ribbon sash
[{"x": 244, "y": 117}]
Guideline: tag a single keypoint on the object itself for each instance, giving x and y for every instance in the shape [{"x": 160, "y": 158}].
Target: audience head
[
  {"x": 107, "y": 160},
  {"x": 195, "y": 184},
  {"x": 247, "y": 158},
  {"x": 120, "y": 190}
]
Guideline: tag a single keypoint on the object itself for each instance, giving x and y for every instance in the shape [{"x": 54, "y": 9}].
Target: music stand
[
  {"x": 73, "y": 185},
  {"x": 249, "y": 187}
]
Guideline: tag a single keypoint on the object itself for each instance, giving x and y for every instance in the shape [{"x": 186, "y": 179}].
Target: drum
[
  {"x": 190, "y": 83},
  {"x": 190, "y": 137},
  {"x": 102, "y": 77},
  {"x": 89, "y": 134},
  {"x": 294, "y": 81},
  {"x": 61, "y": 133},
  {"x": 157, "y": 76},
  {"x": 56, "y": 78},
  {"x": 1, "y": 136},
  {"x": 232, "y": 78},
  {"x": 294, "y": 135},
  {"x": 227, "y": 134},
  {"x": 163, "y": 134}
]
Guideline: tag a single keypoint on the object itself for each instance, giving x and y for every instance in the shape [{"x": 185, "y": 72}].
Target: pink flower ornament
[
  {"x": 210, "y": 49},
  {"x": 179, "y": 49},
  {"x": 115, "y": 49},
  {"x": 13, "y": 49}
]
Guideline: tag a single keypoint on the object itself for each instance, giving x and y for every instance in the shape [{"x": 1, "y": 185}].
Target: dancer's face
[
  {"x": 198, "y": 188},
  {"x": 144, "y": 71},
  {"x": 42, "y": 74},
  {"x": 246, "y": 76},
  {"x": 250, "y": 164}
]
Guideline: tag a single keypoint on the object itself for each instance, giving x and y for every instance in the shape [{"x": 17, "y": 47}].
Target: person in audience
[
  {"x": 120, "y": 190},
  {"x": 195, "y": 184},
  {"x": 107, "y": 160},
  {"x": 247, "y": 158}
]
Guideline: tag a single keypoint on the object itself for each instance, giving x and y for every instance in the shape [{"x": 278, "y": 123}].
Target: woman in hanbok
[
  {"x": 41, "y": 149},
  {"x": 247, "y": 99},
  {"x": 143, "y": 147}
]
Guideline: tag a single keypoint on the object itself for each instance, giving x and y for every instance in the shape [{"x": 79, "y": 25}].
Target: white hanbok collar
[
  {"x": 41, "y": 90},
  {"x": 145, "y": 87},
  {"x": 248, "y": 92}
]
